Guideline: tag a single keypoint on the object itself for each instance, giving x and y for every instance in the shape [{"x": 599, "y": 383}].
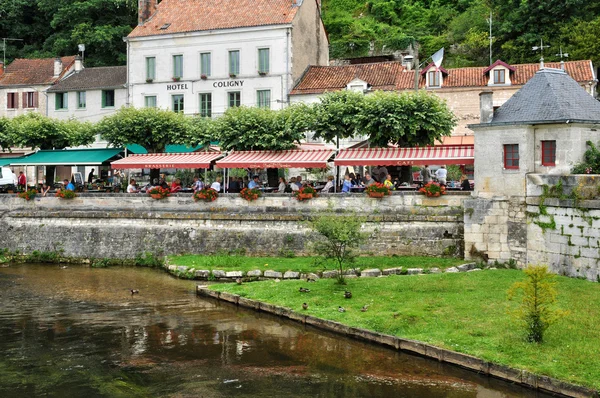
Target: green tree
[
  {"x": 582, "y": 39},
  {"x": 340, "y": 236},
  {"x": 538, "y": 298},
  {"x": 6, "y": 134},
  {"x": 151, "y": 128},
  {"x": 336, "y": 115},
  {"x": 36, "y": 131}
]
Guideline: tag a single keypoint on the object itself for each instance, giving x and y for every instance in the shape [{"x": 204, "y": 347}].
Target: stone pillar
[{"x": 486, "y": 106}]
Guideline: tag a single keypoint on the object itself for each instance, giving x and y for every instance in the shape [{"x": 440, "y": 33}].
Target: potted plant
[
  {"x": 377, "y": 190},
  {"x": 203, "y": 76},
  {"x": 206, "y": 195},
  {"x": 149, "y": 80},
  {"x": 159, "y": 193},
  {"x": 28, "y": 195},
  {"x": 305, "y": 193},
  {"x": 232, "y": 75},
  {"x": 250, "y": 194},
  {"x": 433, "y": 189},
  {"x": 176, "y": 78},
  {"x": 262, "y": 73},
  {"x": 65, "y": 194}
]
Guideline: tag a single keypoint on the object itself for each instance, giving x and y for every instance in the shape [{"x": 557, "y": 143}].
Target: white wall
[{"x": 93, "y": 112}]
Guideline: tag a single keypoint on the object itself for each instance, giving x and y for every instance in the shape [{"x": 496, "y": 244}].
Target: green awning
[
  {"x": 140, "y": 150},
  {"x": 68, "y": 157},
  {"x": 7, "y": 161}
]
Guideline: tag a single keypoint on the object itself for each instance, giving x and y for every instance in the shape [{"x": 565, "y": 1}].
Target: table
[{"x": 357, "y": 189}]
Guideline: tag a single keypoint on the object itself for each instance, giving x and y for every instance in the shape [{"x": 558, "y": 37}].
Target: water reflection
[{"x": 80, "y": 331}]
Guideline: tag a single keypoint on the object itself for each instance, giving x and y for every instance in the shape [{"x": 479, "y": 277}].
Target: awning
[
  {"x": 68, "y": 157},
  {"x": 6, "y": 161},
  {"x": 277, "y": 159},
  {"x": 442, "y": 154},
  {"x": 189, "y": 160}
]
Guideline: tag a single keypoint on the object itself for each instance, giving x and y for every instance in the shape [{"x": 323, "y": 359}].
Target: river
[{"x": 79, "y": 332}]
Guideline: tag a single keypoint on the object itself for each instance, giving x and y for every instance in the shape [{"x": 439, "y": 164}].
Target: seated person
[
  {"x": 329, "y": 187},
  {"x": 68, "y": 185},
  {"x": 216, "y": 185},
  {"x": 132, "y": 188},
  {"x": 347, "y": 184},
  {"x": 294, "y": 184},
  {"x": 368, "y": 180},
  {"x": 388, "y": 182},
  {"x": 254, "y": 183},
  {"x": 282, "y": 185},
  {"x": 44, "y": 190},
  {"x": 176, "y": 185},
  {"x": 465, "y": 184}
]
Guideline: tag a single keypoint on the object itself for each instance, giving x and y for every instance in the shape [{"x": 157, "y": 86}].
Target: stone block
[
  {"x": 392, "y": 271},
  {"x": 272, "y": 274},
  {"x": 414, "y": 271},
  {"x": 435, "y": 270},
  {"x": 580, "y": 241},
  {"x": 330, "y": 274},
  {"x": 291, "y": 275},
  {"x": 202, "y": 273},
  {"x": 466, "y": 267},
  {"x": 313, "y": 277},
  {"x": 234, "y": 274},
  {"x": 370, "y": 273},
  {"x": 474, "y": 270},
  {"x": 182, "y": 268},
  {"x": 172, "y": 268},
  {"x": 218, "y": 273},
  {"x": 254, "y": 273},
  {"x": 452, "y": 270}
]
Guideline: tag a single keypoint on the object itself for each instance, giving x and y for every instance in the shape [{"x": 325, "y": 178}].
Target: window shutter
[
  {"x": 35, "y": 99},
  {"x": 24, "y": 100},
  {"x": 104, "y": 99}
]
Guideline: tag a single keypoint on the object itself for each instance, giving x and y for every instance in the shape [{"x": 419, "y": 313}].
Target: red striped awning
[
  {"x": 189, "y": 160},
  {"x": 440, "y": 154},
  {"x": 277, "y": 159}
]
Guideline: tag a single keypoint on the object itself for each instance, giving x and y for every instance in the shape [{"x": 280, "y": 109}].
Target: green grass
[
  {"x": 466, "y": 312},
  {"x": 306, "y": 264}
]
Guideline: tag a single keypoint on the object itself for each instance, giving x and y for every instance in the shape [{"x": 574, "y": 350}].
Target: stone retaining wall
[
  {"x": 122, "y": 225},
  {"x": 478, "y": 365}
]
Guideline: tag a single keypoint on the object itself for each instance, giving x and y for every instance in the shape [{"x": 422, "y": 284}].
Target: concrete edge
[{"x": 503, "y": 372}]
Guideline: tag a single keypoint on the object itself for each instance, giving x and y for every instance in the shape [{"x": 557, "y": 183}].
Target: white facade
[
  {"x": 85, "y": 105},
  {"x": 222, "y": 88}
]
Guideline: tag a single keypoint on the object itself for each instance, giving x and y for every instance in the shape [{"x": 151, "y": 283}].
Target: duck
[
  {"x": 134, "y": 291},
  {"x": 348, "y": 294},
  {"x": 396, "y": 315},
  {"x": 238, "y": 281},
  {"x": 304, "y": 290},
  {"x": 364, "y": 308},
  {"x": 341, "y": 309},
  {"x": 304, "y": 306}
]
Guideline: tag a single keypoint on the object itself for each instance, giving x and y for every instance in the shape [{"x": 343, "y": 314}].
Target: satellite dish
[
  {"x": 438, "y": 57},
  {"x": 81, "y": 47}
]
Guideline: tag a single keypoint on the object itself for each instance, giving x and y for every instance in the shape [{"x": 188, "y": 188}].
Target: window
[
  {"x": 177, "y": 103},
  {"x": 11, "y": 101},
  {"x": 205, "y": 64},
  {"x": 206, "y": 105},
  {"x": 235, "y": 99},
  {"x": 61, "y": 101},
  {"x": 234, "y": 62},
  {"x": 499, "y": 76},
  {"x": 178, "y": 66},
  {"x": 548, "y": 153},
  {"x": 81, "y": 101},
  {"x": 108, "y": 98},
  {"x": 263, "y": 98},
  {"x": 511, "y": 156},
  {"x": 434, "y": 78},
  {"x": 150, "y": 101},
  {"x": 30, "y": 100},
  {"x": 150, "y": 68},
  {"x": 263, "y": 60}
]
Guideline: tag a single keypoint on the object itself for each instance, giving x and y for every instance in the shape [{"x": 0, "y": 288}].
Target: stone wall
[{"x": 122, "y": 226}]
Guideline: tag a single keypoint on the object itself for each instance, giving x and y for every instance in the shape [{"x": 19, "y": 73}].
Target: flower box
[
  {"x": 203, "y": 77},
  {"x": 305, "y": 193},
  {"x": 262, "y": 73},
  {"x": 65, "y": 194},
  {"x": 250, "y": 194},
  {"x": 304, "y": 196},
  {"x": 176, "y": 79},
  {"x": 433, "y": 189},
  {"x": 149, "y": 80},
  {"x": 205, "y": 195},
  {"x": 28, "y": 195},
  {"x": 377, "y": 190},
  {"x": 376, "y": 194},
  {"x": 159, "y": 193},
  {"x": 232, "y": 75}
]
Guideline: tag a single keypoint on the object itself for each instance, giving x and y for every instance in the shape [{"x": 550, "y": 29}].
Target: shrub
[
  {"x": 433, "y": 189},
  {"x": 250, "y": 194},
  {"x": 65, "y": 194},
  {"x": 377, "y": 188},
  {"x": 305, "y": 193},
  {"x": 538, "y": 295},
  {"x": 206, "y": 195},
  {"x": 159, "y": 193},
  {"x": 28, "y": 195},
  {"x": 148, "y": 259}
]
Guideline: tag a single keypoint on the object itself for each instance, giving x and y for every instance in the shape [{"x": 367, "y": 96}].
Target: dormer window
[
  {"x": 499, "y": 76},
  {"x": 358, "y": 85},
  {"x": 433, "y": 78}
]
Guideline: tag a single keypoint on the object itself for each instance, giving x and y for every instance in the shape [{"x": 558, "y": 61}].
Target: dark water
[{"x": 78, "y": 332}]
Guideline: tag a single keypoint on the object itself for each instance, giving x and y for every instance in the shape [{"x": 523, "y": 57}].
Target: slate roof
[
  {"x": 319, "y": 79},
  {"x": 181, "y": 16},
  {"x": 93, "y": 78},
  {"x": 33, "y": 71},
  {"x": 550, "y": 96}
]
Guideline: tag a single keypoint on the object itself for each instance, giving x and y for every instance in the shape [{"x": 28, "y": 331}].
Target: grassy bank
[
  {"x": 305, "y": 264},
  {"x": 466, "y": 312}
]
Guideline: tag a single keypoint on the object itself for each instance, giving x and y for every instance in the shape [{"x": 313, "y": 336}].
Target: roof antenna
[
  {"x": 541, "y": 48},
  {"x": 491, "y": 37},
  {"x": 562, "y": 55}
]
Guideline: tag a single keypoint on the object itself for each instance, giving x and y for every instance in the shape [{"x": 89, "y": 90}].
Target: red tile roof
[
  {"x": 499, "y": 62},
  {"x": 197, "y": 15},
  {"x": 318, "y": 79},
  {"x": 33, "y": 71},
  {"x": 393, "y": 76}
]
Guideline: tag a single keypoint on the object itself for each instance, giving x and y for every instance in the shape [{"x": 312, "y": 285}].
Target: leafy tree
[
  {"x": 340, "y": 236},
  {"x": 151, "y": 128},
  {"x": 40, "y": 132},
  {"x": 335, "y": 115},
  {"x": 538, "y": 296},
  {"x": 582, "y": 39},
  {"x": 6, "y": 134}
]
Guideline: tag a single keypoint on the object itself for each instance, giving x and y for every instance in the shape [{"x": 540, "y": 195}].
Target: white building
[
  {"x": 88, "y": 94},
  {"x": 202, "y": 57}
]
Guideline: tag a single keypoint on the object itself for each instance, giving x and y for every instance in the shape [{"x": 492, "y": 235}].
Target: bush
[
  {"x": 591, "y": 161},
  {"x": 148, "y": 259}
]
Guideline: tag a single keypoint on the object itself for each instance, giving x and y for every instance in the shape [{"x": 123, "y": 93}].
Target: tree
[
  {"x": 336, "y": 115},
  {"x": 340, "y": 235},
  {"x": 538, "y": 296},
  {"x": 151, "y": 128},
  {"x": 40, "y": 132},
  {"x": 247, "y": 128},
  {"x": 6, "y": 134}
]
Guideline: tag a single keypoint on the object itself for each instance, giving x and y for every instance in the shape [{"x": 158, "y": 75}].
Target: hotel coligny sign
[{"x": 216, "y": 84}]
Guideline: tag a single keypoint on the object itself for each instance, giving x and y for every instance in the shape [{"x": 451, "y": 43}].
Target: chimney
[
  {"x": 78, "y": 64},
  {"x": 486, "y": 106},
  {"x": 58, "y": 66},
  {"x": 562, "y": 64},
  {"x": 145, "y": 10}
]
